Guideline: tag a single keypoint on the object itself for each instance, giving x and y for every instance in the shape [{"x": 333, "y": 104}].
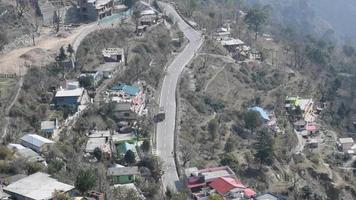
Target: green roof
[{"x": 122, "y": 148}]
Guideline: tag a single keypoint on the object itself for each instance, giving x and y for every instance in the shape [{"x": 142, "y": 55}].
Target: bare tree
[
  {"x": 22, "y": 6},
  {"x": 186, "y": 153},
  {"x": 56, "y": 20}
]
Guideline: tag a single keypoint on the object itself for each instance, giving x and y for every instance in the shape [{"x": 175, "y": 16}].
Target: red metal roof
[
  {"x": 249, "y": 192},
  {"x": 224, "y": 184}
]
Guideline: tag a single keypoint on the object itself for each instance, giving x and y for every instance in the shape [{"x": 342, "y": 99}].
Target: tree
[
  {"x": 62, "y": 55},
  {"x": 124, "y": 193},
  {"x": 215, "y": 197},
  {"x": 252, "y": 120},
  {"x": 129, "y": 3},
  {"x": 130, "y": 157},
  {"x": 213, "y": 128},
  {"x": 191, "y": 5},
  {"x": 256, "y": 17},
  {"x": 186, "y": 153},
  {"x": 229, "y": 145},
  {"x": 3, "y": 39},
  {"x": 22, "y": 7},
  {"x": 230, "y": 160},
  {"x": 97, "y": 153},
  {"x": 264, "y": 147},
  {"x": 146, "y": 145},
  {"x": 86, "y": 81},
  {"x": 154, "y": 164},
  {"x": 55, "y": 166},
  {"x": 56, "y": 20},
  {"x": 70, "y": 50},
  {"x": 136, "y": 15},
  {"x": 86, "y": 180},
  {"x": 32, "y": 167},
  {"x": 58, "y": 195}
]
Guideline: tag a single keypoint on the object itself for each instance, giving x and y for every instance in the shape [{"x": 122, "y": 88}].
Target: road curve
[{"x": 165, "y": 130}]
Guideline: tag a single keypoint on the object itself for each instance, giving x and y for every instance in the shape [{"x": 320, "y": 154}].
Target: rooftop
[
  {"x": 112, "y": 51},
  {"x": 268, "y": 196},
  {"x": 108, "y": 67},
  {"x": 37, "y": 186},
  {"x": 224, "y": 184},
  {"x": 261, "y": 111},
  {"x": 122, "y": 107},
  {"x": 232, "y": 42},
  {"x": 45, "y": 125},
  {"x": 70, "y": 93},
  {"x": 120, "y": 171},
  {"x": 94, "y": 143},
  {"x": 36, "y": 140},
  {"x": 100, "y": 134},
  {"x": 128, "y": 89},
  {"x": 24, "y": 151},
  {"x": 148, "y": 12},
  {"x": 346, "y": 140},
  {"x": 125, "y": 146}
]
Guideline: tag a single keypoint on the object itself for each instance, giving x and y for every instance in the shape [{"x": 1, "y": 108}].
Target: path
[
  {"x": 165, "y": 133},
  {"x": 8, "y": 109}
]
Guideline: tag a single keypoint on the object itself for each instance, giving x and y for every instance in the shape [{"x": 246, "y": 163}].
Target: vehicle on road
[{"x": 161, "y": 116}]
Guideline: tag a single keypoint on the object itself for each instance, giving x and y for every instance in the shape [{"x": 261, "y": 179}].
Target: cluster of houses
[
  {"x": 223, "y": 181},
  {"x": 239, "y": 50}
]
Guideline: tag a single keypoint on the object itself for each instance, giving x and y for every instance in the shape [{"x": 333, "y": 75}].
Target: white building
[
  {"x": 37, "y": 143},
  {"x": 38, "y": 186}
]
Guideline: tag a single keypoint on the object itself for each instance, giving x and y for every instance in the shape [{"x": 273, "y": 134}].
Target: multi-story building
[{"x": 92, "y": 10}]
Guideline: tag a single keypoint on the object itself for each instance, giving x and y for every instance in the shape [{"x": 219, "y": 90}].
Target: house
[
  {"x": 295, "y": 105},
  {"x": 114, "y": 55},
  {"x": 123, "y": 147},
  {"x": 221, "y": 180},
  {"x": 299, "y": 125},
  {"x": 347, "y": 144},
  {"x": 69, "y": 97},
  {"x": 268, "y": 196},
  {"x": 71, "y": 85},
  {"x": 101, "y": 140},
  {"x": 49, "y": 127},
  {"x": 232, "y": 44},
  {"x": 38, "y": 186},
  {"x": 122, "y": 175},
  {"x": 126, "y": 89},
  {"x": 108, "y": 69},
  {"x": 148, "y": 14},
  {"x": 197, "y": 179},
  {"x": 123, "y": 111},
  {"x": 37, "y": 143},
  {"x": 222, "y": 34},
  {"x": 231, "y": 188},
  {"x": 25, "y": 152},
  {"x": 263, "y": 114},
  {"x": 93, "y": 10}
]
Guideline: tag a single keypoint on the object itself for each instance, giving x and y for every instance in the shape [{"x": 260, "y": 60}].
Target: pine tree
[{"x": 264, "y": 147}]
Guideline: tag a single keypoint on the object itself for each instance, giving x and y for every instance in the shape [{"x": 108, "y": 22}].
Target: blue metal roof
[
  {"x": 261, "y": 111},
  {"x": 128, "y": 89}
]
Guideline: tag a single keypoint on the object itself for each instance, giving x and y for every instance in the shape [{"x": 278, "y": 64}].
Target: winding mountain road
[{"x": 165, "y": 130}]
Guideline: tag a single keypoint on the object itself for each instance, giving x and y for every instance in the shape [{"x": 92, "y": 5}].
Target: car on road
[{"x": 161, "y": 116}]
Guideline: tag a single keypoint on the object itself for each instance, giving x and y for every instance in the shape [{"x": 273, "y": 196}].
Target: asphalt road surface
[{"x": 165, "y": 129}]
